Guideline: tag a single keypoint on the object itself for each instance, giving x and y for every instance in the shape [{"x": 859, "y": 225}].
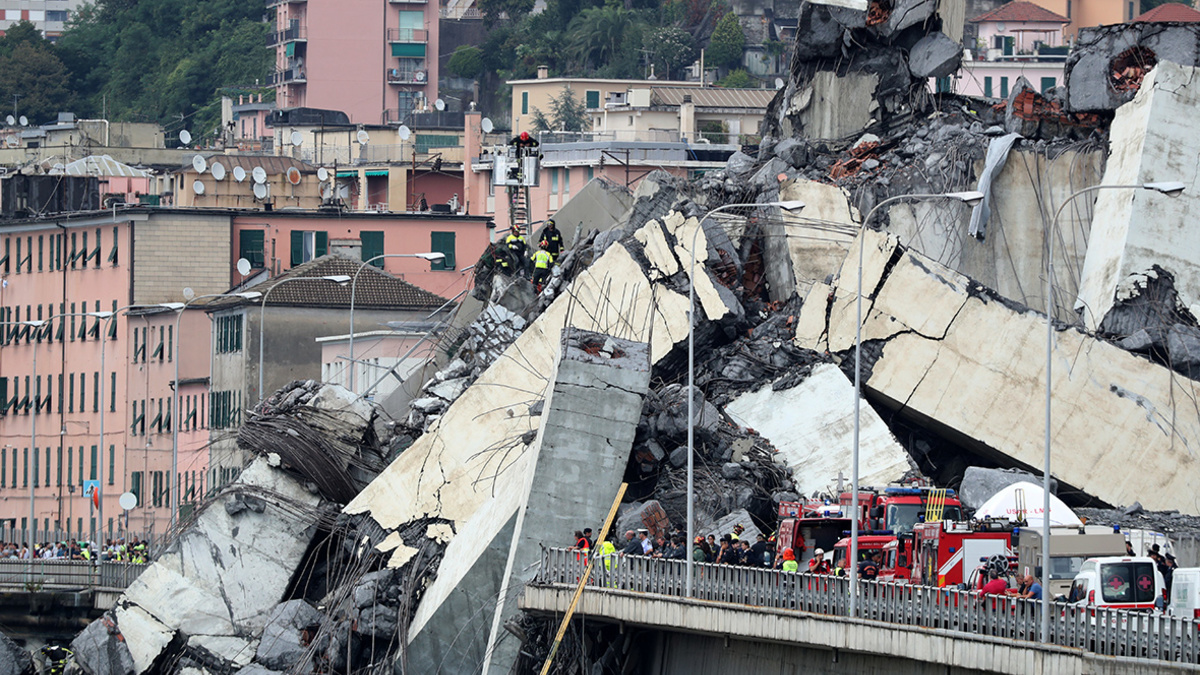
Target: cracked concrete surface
[{"x": 971, "y": 366}]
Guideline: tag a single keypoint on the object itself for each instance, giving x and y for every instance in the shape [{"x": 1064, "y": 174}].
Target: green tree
[
  {"x": 672, "y": 49},
  {"x": 22, "y": 32},
  {"x": 38, "y": 77},
  {"x": 499, "y": 10},
  {"x": 727, "y": 42},
  {"x": 466, "y": 62},
  {"x": 597, "y": 33},
  {"x": 567, "y": 113},
  {"x": 738, "y": 79}
]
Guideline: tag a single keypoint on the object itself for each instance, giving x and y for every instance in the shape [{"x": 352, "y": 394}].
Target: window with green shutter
[
  {"x": 593, "y": 99},
  {"x": 372, "y": 246},
  {"x": 442, "y": 242},
  {"x": 252, "y": 247},
  {"x": 322, "y": 244},
  {"x": 1048, "y": 83},
  {"x": 524, "y": 105},
  {"x": 308, "y": 245},
  {"x": 297, "y": 247}
]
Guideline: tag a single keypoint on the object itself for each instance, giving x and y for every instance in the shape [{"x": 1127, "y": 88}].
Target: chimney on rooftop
[{"x": 543, "y": 72}]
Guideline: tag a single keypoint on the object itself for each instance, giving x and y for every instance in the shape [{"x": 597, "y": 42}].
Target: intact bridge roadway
[
  {"x": 55, "y": 598},
  {"x": 901, "y": 628}
]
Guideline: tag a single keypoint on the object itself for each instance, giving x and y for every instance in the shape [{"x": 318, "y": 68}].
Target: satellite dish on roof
[
  {"x": 322, "y": 174},
  {"x": 59, "y": 166},
  {"x": 198, "y": 187},
  {"x": 188, "y": 293},
  {"x": 779, "y": 83},
  {"x": 185, "y": 137},
  {"x": 243, "y": 266},
  {"x": 199, "y": 164},
  {"x": 293, "y": 175},
  {"x": 260, "y": 191},
  {"x": 363, "y": 138},
  {"x": 439, "y": 104},
  {"x": 11, "y": 120},
  {"x": 128, "y": 501},
  {"x": 24, "y": 121},
  {"x": 259, "y": 174},
  {"x": 405, "y": 132},
  {"x": 239, "y": 174},
  {"x": 486, "y": 125},
  {"x": 12, "y": 140},
  {"x": 297, "y": 139},
  {"x": 218, "y": 171}
]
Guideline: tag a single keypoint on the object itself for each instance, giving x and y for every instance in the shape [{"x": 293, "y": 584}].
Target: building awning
[
  {"x": 377, "y": 172},
  {"x": 347, "y": 174},
  {"x": 410, "y": 50}
]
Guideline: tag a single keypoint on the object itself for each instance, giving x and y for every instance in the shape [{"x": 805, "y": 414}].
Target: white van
[
  {"x": 1118, "y": 582},
  {"x": 1185, "y": 592}
]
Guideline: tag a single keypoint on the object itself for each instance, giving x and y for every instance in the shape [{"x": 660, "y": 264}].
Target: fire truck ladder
[
  {"x": 936, "y": 506},
  {"x": 518, "y": 207},
  {"x": 1019, "y": 499}
]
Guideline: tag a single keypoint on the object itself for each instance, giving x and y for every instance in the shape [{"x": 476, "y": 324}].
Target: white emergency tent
[{"x": 1025, "y": 496}]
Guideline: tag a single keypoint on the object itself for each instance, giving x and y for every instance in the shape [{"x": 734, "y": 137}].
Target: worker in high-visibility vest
[
  {"x": 607, "y": 552},
  {"x": 542, "y": 261},
  {"x": 515, "y": 242}
]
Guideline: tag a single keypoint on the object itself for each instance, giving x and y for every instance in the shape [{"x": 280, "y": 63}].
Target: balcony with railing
[
  {"x": 275, "y": 3},
  {"x": 408, "y": 35},
  {"x": 292, "y": 32},
  {"x": 406, "y": 75},
  {"x": 293, "y": 74}
]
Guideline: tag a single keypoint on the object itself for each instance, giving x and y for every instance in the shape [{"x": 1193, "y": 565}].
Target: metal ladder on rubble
[{"x": 935, "y": 508}]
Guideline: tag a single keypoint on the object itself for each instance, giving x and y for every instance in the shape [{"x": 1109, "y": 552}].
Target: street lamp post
[
  {"x": 793, "y": 205},
  {"x": 1171, "y": 189},
  {"x": 339, "y": 279},
  {"x": 431, "y": 257},
  {"x": 969, "y": 198}
]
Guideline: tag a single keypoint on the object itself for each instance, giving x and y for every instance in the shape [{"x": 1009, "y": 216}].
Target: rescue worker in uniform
[
  {"x": 789, "y": 561},
  {"x": 516, "y": 248},
  {"x": 57, "y": 657},
  {"x": 552, "y": 238},
  {"x": 524, "y": 143},
  {"x": 542, "y": 260}
]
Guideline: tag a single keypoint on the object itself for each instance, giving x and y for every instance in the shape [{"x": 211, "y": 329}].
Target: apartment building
[
  {"x": 373, "y": 60},
  {"x": 67, "y": 423},
  {"x": 48, "y": 16}
]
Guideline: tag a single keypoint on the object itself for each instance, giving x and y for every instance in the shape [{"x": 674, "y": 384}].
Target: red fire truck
[
  {"x": 900, "y": 508},
  {"x": 945, "y": 553},
  {"x": 807, "y": 526}
]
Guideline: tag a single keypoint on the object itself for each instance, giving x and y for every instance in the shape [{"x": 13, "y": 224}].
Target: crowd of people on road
[{"x": 114, "y": 550}]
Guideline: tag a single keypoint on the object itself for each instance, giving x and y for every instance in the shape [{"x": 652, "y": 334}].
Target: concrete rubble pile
[{"x": 236, "y": 591}]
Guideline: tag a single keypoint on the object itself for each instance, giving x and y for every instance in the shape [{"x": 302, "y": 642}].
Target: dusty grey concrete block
[
  {"x": 935, "y": 55},
  {"x": 980, "y": 483},
  {"x": 13, "y": 659},
  {"x": 281, "y": 646}
]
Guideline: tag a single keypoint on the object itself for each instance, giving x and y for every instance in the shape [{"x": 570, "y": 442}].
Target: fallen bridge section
[{"x": 952, "y": 355}]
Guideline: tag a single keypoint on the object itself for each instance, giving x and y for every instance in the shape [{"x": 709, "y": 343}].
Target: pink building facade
[
  {"x": 372, "y": 60},
  {"x": 278, "y": 241},
  {"x": 67, "y": 421}
]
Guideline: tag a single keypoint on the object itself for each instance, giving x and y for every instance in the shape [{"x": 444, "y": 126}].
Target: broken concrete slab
[
  {"x": 817, "y": 443},
  {"x": 979, "y": 483},
  {"x": 935, "y": 55},
  {"x": 1151, "y": 140},
  {"x": 647, "y": 515},
  {"x": 221, "y": 577},
  {"x": 282, "y": 642},
  {"x": 725, "y": 524},
  {"x": 587, "y": 431},
  {"x": 1107, "y": 64},
  {"x": 460, "y": 481},
  {"x": 600, "y": 205},
  {"x": 797, "y": 254},
  {"x": 232, "y": 652},
  {"x": 1111, "y": 409},
  {"x": 13, "y": 659}
]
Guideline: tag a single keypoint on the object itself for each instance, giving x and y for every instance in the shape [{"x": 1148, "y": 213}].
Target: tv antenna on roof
[{"x": 185, "y": 137}]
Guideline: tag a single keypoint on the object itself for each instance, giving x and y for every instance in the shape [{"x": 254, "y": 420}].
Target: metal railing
[
  {"x": 408, "y": 35},
  {"x": 19, "y": 536},
  {"x": 294, "y": 31},
  {"x": 460, "y": 13},
  {"x": 33, "y": 575},
  {"x": 294, "y": 74},
  {"x": 1109, "y": 632},
  {"x": 402, "y": 76}
]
